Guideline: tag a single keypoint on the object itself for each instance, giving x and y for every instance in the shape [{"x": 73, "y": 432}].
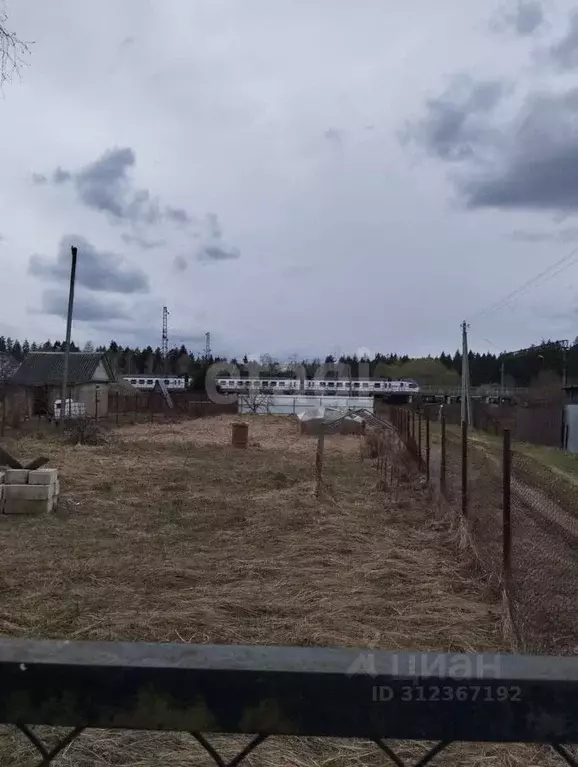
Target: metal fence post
[
  {"x": 507, "y": 527},
  {"x": 427, "y": 445},
  {"x": 319, "y": 460},
  {"x": 443, "y": 455},
  {"x": 464, "y": 468}
]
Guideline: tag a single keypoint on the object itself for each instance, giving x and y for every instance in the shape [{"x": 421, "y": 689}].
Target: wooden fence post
[
  {"x": 319, "y": 460},
  {"x": 427, "y": 445},
  {"x": 464, "y": 468},
  {"x": 117, "y": 407},
  {"x": 506, "y": 514},
  {"x": 443, "y": 455},
  {"x": 419, "y": 458}
]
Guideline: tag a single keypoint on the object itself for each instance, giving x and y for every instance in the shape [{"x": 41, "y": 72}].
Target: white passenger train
[
  {"x": 364, "y": 387},
  {"x": 173, "y": 383}
]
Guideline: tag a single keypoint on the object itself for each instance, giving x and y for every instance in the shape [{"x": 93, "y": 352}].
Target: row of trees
[{"x": 522, "y": 368}]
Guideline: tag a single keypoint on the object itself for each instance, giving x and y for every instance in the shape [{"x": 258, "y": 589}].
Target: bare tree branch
[{"x": 13, "y": 50}]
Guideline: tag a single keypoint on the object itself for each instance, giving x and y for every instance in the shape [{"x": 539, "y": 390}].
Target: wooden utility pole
[
  {"x": 466, "y": 410},
  {"x": 73, "y": 251},
  {"x": 502, "y": 379}
]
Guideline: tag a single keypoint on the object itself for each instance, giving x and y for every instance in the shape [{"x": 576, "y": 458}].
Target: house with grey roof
[{"x": 90, "y": 376}]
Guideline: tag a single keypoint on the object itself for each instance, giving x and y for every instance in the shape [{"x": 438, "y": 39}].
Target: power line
[{"x": 554, "y": 269}]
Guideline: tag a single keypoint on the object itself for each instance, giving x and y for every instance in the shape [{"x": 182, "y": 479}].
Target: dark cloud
[
  {"x": 527, "y": 18},
  {"x": 537, "y": 168},
  {"x": 563, "y": 236},
  {"x": 87, "y": 308},
  {"x": 142, "y": 242},
  {"x": 530, "y": 162},
  {"x": 178, "y": 215},
  {"x": 565, "y": 52},
  {"x": 96, "y": 270},
  {"x": 105, "y": 185},
  {"x": 218, "y": 253},
  {"x": 334, "y": 136},
  {"x": 180, "y": 264},
  {"x": 214, "y": 226},
  {"x": 457, "y": 122},
  {"x": 60, "y": 176}
]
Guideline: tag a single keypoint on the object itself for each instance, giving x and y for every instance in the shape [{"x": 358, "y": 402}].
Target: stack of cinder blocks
[{"x": 28, "y": 492}]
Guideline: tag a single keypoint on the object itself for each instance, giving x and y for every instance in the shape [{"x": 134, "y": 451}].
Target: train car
[
  {"x": 144, "y": 383},
  {"x": 388, "y": 390}
]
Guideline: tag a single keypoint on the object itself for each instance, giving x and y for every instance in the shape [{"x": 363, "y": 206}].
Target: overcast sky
[{"x": 294, "y": 176}]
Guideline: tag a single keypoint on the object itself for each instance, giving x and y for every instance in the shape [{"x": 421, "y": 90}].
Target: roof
[{"x": 42, "y": 368}]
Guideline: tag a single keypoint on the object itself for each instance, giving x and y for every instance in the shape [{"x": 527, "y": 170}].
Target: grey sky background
[{"x": 296, "y": 177}]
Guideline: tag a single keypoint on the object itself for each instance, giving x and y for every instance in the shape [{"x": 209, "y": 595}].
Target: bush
[{"x": 84, "y": 431}]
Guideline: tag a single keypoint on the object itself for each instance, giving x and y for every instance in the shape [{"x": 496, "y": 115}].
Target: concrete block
[
  {"x": 29, "y": 492},
  {"x": 43, "y": 477},
  {"x": 19, "y": 506},
  {"x": 16, "y": 476}
]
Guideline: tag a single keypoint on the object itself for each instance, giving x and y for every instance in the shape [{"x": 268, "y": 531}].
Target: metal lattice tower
[
  {"x": 165, "y": 339},
  {"x": 207, "y": 345}
]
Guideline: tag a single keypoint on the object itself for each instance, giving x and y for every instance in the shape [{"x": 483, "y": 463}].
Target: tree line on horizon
[{"x": 544, "y": 362}]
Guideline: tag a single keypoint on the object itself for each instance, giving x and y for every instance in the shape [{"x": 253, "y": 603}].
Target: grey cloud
[
  {"x": 180, "y": 264},
  {"x": 530, "y": 162},
  {"x": 538, "y": 166},
  {"x": 142, "y": 242},
  {"x": 86, "y": 308},
  {"x": 334, "y": 136},
  {"x": 528, "y": 17},
  {"x": 105, "y": 185},
  {"x": 218, "y": 253},
  {"x": 60, "y": 176},
  {"x": 457, "y": 122},
  {"x": 96, "y": 270},
  {"x": 564, "y": 236},
  {"x": 565, "y": 52},
  {"x": 178, "y": 215},
  {"x": 39, "y": 178},
  {"x": 214, "y": 226}
]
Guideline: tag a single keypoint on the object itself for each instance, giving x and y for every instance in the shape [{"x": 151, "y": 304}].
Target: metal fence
[
  {"x": 261, "y": 692},
  {"x": 521, "y": 518}
]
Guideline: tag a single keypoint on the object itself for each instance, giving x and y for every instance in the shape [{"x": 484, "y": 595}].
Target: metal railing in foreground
[{"x": 267, "y": 691}]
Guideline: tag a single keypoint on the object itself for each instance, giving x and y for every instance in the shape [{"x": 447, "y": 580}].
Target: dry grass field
[{"x": 169, "y": 534}]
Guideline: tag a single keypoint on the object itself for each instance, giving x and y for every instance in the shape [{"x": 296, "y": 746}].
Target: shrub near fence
[{"x": 521, "y": 518}]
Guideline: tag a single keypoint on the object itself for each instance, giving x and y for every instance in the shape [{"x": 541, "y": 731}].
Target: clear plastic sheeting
[
  {"x": 277, "y": 404},
  {"x": 339, "y": 421}
]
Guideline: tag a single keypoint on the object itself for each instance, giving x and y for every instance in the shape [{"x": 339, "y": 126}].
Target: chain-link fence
[{"x": 520, "y": 515}]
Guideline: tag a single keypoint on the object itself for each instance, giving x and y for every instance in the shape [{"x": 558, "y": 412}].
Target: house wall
[
  {"x": 14, "y": 404},
  {"x": 85, "y": 393},
  {"x": 100, "y": 374},
  {"x": 95, "y": 398}
]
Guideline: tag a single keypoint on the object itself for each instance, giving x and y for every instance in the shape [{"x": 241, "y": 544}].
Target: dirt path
[{"x": 544, "y": 546}]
